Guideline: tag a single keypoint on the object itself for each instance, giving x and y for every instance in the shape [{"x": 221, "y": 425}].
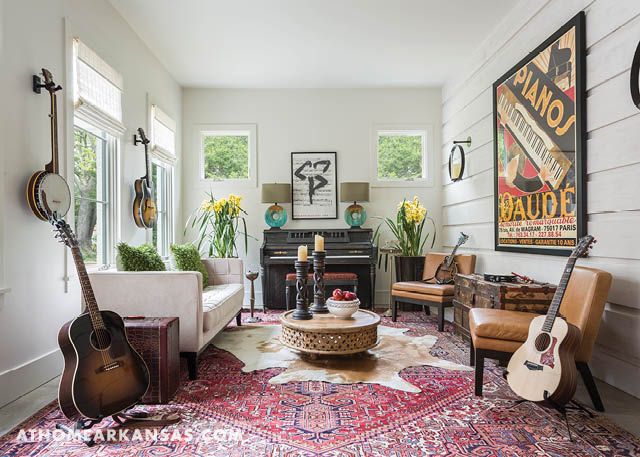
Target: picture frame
[
  {"x": 314, "y": 185},
  {"x": 539, "y": 131}
]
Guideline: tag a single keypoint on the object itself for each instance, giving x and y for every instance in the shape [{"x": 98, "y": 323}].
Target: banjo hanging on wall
[{"x": 47, "y": 192}]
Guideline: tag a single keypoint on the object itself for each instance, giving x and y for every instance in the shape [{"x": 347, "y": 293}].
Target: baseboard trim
[
  {"x": 22, "y": 379},
  {"x": 613, "y": 370}
]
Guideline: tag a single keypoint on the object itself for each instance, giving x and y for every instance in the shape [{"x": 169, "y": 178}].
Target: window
[
  {"x": 400, "y": 156},
  {"x": 97, "y": 129},
  {"x": 93, "y": 154},
  {"x": 228, "y": 153},
  {"x": 161, "y": 233}
]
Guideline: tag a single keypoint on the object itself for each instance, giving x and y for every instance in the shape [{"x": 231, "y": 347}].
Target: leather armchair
[
  {"x": 426, "y": 292},
  {"x": 496, "y": 334}
]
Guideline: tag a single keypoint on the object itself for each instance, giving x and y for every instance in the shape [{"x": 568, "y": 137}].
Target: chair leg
[
  {"x": 441, "y": 318},
  {"x": 355, "y": 291},
  {"x": 192, "y": 364},
  {"x": 479, "y": 372},
  {"x": 287, "y": 292},
  {"x": 394, "y": 314},
  {"x": 239, "y": 319},
  {"x": 472, "y": 354},
  {"x": 592, "y": 388},
  {"x": 427, "y": 310}
]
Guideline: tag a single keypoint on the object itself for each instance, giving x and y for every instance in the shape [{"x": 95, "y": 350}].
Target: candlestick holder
[
  {"x": 252, "y": 276},
  {"x": 301, "y": 312},
  {"x": 319, "y": 305}
]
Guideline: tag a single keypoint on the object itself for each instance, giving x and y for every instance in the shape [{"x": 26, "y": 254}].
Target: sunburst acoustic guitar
[{"x": 144, "y": 207}]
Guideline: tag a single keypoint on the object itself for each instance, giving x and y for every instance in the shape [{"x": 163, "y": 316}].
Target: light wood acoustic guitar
[
  {"x": 448, "y": 269},
  {"x": 544, "y": 368},
  {"x": 144, "y": 207},
  {"x": 103, "y": 375},
  {"x": 47, "y": 192}
]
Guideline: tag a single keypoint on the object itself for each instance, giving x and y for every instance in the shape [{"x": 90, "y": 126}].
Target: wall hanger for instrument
[
  {"x": 38, "y": 85},
  {"x": 635, "y": 78},
  {"x": 457, "y": 159}
]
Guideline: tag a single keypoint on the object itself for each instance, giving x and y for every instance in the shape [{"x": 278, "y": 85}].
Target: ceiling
[{"x": 312, "y": 43}]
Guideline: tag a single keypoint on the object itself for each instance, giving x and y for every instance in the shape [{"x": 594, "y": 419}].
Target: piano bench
[{"x": 331, "y": 278}]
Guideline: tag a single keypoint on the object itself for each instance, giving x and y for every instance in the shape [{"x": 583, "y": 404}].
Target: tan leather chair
[
  {"x": 496, "y": 334},
  {"x": 427, "y": 292}
]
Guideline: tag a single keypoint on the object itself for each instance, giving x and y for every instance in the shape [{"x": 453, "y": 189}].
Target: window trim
[
  {"x": 428, "y": 155},
  {"x": 204, "y": 129},
  {"x": 169, "y": 170}
]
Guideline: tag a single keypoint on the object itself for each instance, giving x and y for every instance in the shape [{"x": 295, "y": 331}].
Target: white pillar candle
[
  {"x": 319, "y": 243},
  {"x": 302, "y": 253}
]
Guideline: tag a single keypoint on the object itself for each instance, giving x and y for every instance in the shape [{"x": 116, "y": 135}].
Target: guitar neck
[
  {"x": 452, "y": 255},
  {"x": 53, "y": 166},
  {"x": 147, "y": 164},
  {"x": 87, "y": 290},
  {"x": 552, "y": 313}
]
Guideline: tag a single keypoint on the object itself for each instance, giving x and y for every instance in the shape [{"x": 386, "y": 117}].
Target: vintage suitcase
[
  {"x": 472, "y": 291},
  {"x": 157, "y": 340}
]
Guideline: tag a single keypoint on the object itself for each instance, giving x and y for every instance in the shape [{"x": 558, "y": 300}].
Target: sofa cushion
[
  {"x": 140, "y": 258},
  {"x": 213, "y": 299},
  {"x": 187, "y": 258}
]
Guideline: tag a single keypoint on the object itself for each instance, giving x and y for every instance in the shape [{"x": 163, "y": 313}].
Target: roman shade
[{"x": 163, "y": 135}]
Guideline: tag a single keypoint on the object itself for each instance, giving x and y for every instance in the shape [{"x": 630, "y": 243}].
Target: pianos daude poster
[{"x": 539, "y": 147}]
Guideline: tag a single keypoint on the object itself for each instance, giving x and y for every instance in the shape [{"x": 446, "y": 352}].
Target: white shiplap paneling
[{"x": 613, "y": 31}]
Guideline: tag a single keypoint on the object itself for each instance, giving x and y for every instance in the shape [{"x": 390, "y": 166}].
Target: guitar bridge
[
  {"x": 109, "y": 367},
  {"x": 533, "y": 366}
]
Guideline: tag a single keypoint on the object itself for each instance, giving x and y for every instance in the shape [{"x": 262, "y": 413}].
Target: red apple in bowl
[
  {"x": 349, "y": 296},
  {"x": 337, "y": 295}
]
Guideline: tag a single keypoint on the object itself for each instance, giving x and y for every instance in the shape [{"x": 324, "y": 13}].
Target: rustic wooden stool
[{"x": 330, "y": 279}]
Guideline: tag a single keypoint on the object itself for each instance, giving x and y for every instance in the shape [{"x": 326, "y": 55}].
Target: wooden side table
[{"x": 157, "y": 340}]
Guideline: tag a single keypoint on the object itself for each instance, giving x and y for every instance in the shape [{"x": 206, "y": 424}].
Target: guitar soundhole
[
  {"x": 100, "y": 339},
  {"x": 542, "y": 341}
]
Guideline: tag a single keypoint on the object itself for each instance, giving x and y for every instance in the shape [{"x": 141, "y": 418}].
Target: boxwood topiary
[
  {"x": 141, "y": 258},
  {"x": 188, "y": 258}
]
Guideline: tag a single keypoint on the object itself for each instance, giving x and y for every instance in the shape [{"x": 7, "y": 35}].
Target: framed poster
[
  {"x": 539, "y": 147},
  {"x": 313, "y": 185}
]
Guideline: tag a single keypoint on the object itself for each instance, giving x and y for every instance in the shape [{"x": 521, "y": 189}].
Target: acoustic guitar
[
  {"x": 47, "y": 192},
  {"x": 544, "y": 368},
  {"x": 448, "y": 269},
  {"x": 144, "y": 207},
  {"x": 103, "y": 375}
]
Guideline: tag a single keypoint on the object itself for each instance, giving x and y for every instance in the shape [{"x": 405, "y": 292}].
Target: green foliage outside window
[
  {"x": 399, "y": 157},
  {"x": 226, "y": 157},
  {"x": 84, "y": 190}
]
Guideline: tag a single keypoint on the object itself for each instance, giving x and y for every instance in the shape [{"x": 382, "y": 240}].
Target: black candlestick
[
  {"x": 301, "y": 312},
  {"x": 319, "y": 305}
]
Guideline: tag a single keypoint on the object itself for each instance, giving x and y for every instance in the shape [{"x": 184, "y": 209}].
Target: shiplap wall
[{"x": 613, "y": 162}]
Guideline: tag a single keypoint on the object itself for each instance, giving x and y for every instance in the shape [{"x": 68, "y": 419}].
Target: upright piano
[{"x": 348, "y": 250}]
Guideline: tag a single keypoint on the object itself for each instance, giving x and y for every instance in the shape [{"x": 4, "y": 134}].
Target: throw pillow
[
  {"x": 187, "y": 258},
  {"x": 141, "y": 258}
]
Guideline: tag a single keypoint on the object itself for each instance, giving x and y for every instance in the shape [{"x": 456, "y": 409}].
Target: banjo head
[{"x": 52, "y": 195}]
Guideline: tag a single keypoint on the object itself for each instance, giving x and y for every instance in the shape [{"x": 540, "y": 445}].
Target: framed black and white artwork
[{"x": 313, "y": 185}]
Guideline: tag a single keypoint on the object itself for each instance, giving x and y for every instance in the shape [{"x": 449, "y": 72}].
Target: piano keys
[
  {"x": 535, "y": 143},
  {"x": 348, "y": 250}
]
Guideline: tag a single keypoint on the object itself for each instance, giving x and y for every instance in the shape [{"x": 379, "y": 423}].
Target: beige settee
[{"x": 203, "y": 312}]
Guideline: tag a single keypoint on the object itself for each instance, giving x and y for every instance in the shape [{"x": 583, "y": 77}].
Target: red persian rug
[{"x": 230, "y": 413}]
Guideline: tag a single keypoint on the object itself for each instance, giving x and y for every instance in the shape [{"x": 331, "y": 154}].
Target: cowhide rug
[{"x": 259, "y": 347}]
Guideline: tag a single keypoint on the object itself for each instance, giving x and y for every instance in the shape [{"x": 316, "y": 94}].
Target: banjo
[{"x": 47, "y": 192}]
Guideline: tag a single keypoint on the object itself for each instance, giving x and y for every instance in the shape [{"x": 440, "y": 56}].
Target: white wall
[
  {"x": 613, "y": 30},
  {"x": 308, "y": 120},
  {"x": 35, "y": 36}
]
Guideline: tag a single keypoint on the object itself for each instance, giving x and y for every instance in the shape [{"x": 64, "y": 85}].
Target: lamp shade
[
  {"x": 276, "y": 193},
  {"x": 354, "y": 192}
]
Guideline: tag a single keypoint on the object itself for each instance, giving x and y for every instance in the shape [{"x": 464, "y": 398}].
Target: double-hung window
[
  {"x": 163, "y": 154},
  {"x": 400, "y": 156},
  {"x": 97, "y": 130}
]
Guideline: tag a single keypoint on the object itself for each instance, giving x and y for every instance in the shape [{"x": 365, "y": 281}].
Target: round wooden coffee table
[{"x": 328, "y": 334}]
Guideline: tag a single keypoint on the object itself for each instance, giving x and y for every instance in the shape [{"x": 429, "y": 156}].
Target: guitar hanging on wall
[
  {"x": 544, "y": 368},
  {"x": 144, "y": 207},
  {"x": 47, "y": 192}
]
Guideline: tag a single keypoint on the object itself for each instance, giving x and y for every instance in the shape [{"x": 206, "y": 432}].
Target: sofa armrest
[
  {"x": 224, "y": 271},
  {"x": 155, "y": 294}
]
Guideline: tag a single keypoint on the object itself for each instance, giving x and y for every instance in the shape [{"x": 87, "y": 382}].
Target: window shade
[
  {"x": 163, "y": 136},
  {"x": 98, "y": 90}
]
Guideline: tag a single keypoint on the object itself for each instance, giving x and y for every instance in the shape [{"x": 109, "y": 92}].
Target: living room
[{"x": 319, "y": 228}]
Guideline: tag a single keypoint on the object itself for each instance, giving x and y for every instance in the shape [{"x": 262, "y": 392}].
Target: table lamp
[
  {"x": 355, "y": 214},
  {"x": 276, "y": 215}
]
